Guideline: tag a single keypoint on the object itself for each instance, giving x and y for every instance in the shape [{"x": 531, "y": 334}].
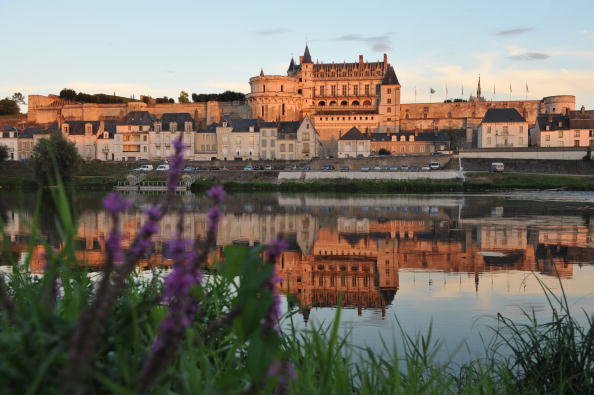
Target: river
[{"x": 450, "y": 260}]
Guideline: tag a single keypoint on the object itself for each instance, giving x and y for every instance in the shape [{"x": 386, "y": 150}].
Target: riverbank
[{"x": 473, "y": 182}]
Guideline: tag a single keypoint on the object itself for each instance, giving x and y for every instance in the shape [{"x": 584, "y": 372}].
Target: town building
[
  {"x": 503, "y": 127},
  {"x": 409, "y": 143},
  {"x": 354, "y": 144},
  {"x": 290, "y": 140},
  {"x": 85, "y": 136},
  {"x": 238, "y": 139},
  {"x": 205, "y": 146},
  {"x": 569, "y": 129}
]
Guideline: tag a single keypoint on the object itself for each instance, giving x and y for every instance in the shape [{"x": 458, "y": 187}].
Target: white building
[
  {"x": 573, "y": 129},
  {"x": 503, "y": 127},
  {"x": 354, "y": 144}
]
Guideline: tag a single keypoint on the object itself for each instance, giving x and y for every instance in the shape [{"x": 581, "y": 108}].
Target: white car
[
  {"x": 162, "y": 167},
  {"x": 434, "y": 165},
  {"x": 144, "y": 168}
]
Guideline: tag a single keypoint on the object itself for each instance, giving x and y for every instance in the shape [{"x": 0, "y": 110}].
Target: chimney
[
  {"x": 301, "y": 59},
  {"x": 385, "y": 59},
  {"x": 583, "y": 110},
  {"x": 360, "y": 59}
]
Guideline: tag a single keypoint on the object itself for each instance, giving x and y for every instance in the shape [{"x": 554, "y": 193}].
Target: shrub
[
  {"x": 383, "y": 151},
  {"x": 57, "y": 151}
]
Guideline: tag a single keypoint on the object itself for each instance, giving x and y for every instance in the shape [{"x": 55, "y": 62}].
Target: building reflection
[{"x": 351, "y": 250}]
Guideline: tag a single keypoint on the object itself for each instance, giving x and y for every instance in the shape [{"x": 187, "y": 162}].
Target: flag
[
  {"x": 526, "y": 87},
  {"x": 446, "y": 89},
  {"x": 432, "y": 91},
  {"x": 462, "y": 90},
  {"x": 510, "y": 88}
]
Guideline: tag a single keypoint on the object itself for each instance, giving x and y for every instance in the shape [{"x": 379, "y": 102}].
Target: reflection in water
[{"x": 355, "y": 247}]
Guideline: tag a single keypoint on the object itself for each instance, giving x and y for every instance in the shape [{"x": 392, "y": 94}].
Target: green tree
[
  {"x": 8, "y": 107},
  {"x": 3, "y": 153},
  {"x": 18, "y": 98},
  {"x": 183, "y": 97},
  {"x": 66, "y": 156},
  {"x": 383, "y": 151},
  {"x": 68, "y": 94}
]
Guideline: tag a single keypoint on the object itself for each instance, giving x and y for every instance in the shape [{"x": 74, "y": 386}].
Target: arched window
[
  {"x": 332, "y": 103},
  {"x": 322, "y": 103},
  {"x": 356, "y": 103},
  {"x": 344, "y": 103},
  {"x": 366, "y": 103}
]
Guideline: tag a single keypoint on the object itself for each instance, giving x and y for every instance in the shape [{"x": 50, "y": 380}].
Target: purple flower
[
  {"x": 214, "y": 216},
  {"x": 275, "y": 249},
  {"x": 115, "y": 203},
  {"x": 113, "y": 245},
  {"x": 217, "y": 193},
  {"x": 283, "y": 370},
  {"x": 176, "y": 163}
]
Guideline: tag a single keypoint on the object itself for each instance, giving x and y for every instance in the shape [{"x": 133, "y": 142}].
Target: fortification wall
[
  {"x": 430, "y": 116},
  {"x": 46, "y": 109}
]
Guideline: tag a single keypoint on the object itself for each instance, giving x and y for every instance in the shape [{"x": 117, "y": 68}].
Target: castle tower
[
  {"x": 389, "y": 101},
  {"x": 306, "y": 78}
]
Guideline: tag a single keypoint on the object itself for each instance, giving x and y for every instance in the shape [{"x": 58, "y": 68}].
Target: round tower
[
  {"x": 274, "y": 97},
  {"x": 559, "y": 104}
]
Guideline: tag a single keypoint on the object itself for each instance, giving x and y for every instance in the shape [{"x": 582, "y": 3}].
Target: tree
[
  {"x": 18, "y": 98},
  {"x": 68, "y": 94},
  {"x": 66, "y": 157},
  {"x": 3, "y": 153},
  {"x": 8, "y": 107},
  {"x": 383, "y": 151},
  {"x": 183, "y": 97}
]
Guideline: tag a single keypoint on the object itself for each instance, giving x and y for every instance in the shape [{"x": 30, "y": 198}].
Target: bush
[
  {"x": 383, "y": 151},
  {"x": 56, "y": 150}
]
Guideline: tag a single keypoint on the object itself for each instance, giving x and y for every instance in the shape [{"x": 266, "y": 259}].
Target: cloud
[
  {"x": 530, "y": 56},
  {"x": 514, "y": 32},
  {"x": 270, "y": 32},
  {"x": 378, "y": 43},
  {"x": 587, "y": 33}
]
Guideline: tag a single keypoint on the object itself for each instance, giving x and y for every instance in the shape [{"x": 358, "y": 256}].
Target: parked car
[
  {"x": 327, "y": 168},
  {"x": 434, "y": 165},
  {"x": 248, "y": 168},
  {"x": 415, "y": 168},
  {"x": 497, "y": 167},
  {"x": 162, "y": 167},
  {"x": 306, "y": 168},
  {"x": 437, "y": 153},
  {"x": 188, "y": 169},
  {"x": 376, "y": 168},
  {"x": 404, "y": 167},
  {"x": 344, "y": 168},
  {"x": 268, "y": 167},
  {"x": 290, "y": 167},
  {"x": 365, "y": 168},
  {"x": 394, "y": 168},
  {"x": 426, "y": 168},
  {"x": 384, "y": 167},
  {"x": 145, "y": 168},
  {"x": 223, "y": 168},
  {"x": 359, "y": 155}
]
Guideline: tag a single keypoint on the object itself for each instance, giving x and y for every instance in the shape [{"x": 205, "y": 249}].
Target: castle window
[
  {"x": 282, "y": 88},
  {"x": 322, "y": 103},
  {"x": 344, "y": 103},
  {"x": 299, "y": 91},
  {"x": 406, "y": 116},
  {"x": 264, "y": 88},
  {"x": 355, "y": 103},
  {"x": 344, "y": 90},
  {"x": 300, "y": 79},
  {"x": 389, "y": 101},
  {"x": 283, "y": 108},
  {"x": 389, "y": 109},
  {"x": 366, "y": 89},
  {"x": 333, "y": 87},
  {"x": 322, "y": 90},
  {"x": 367, "y": 103},
  {"x": 262, "y": 113},
  {"x": 333, "y": 103},
  {"x": 389, "y": 91},
  {"x": 356, "y": 90}
]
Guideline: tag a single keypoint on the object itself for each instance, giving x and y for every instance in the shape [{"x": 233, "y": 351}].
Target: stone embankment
[
  {"x": 577, "y": 167},
  {"x": 307, "y": 176}
]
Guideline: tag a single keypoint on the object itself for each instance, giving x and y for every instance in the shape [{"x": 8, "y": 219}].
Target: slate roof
[
  {"x": 354, "y": 134},
  {"x": 306, "y": 55},
  {"x": 243, "y": 125},
  {"x": 179, "y": 117},
  {"x": 78, "y": 127},
  {"x": 143, "y": 118},
  {"x": 581, "y": 119},
  {"x": 390, "y": 77},
  {"x": 212, "y": 128},
  {"x": 291, "y": 65},
  {"x": 499, "y": 115},
  {"x": 543, "y": 122}
]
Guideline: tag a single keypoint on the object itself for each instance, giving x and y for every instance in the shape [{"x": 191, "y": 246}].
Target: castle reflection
[{"x": 352, "y": 248}]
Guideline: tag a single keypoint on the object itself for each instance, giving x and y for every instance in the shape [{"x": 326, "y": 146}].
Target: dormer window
[
  {"x": 251, "y": 129},
  {"x": 173, "y": 127}
]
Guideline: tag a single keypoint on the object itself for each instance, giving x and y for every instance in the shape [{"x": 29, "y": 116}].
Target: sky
[{"x": 157, "y": 47}]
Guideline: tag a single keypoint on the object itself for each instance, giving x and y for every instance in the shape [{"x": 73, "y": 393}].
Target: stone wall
[
  {"x": 579, "y": 167},
  {"x": 370, "y": 175},
  {"x": 527, "y": 153}
]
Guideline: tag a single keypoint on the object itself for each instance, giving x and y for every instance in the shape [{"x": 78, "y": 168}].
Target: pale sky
[{"x": 162, "y": 47}]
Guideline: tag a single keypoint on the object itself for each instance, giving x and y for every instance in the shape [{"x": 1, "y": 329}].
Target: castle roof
[
  {"x": 390, "y": 77},
  {"x": 291, "y": 65},
  {"x": 553, "y": 122},
  {"x": 306, "y": 55},
  {"x": 243, "y": 125},
  {"x": 353, "y": 134},
  {"x": 502, "y": 115},
  {"x": 583, "y": 119},
  {"x": 138, "y": 118},
  {"x": 180, "y": 118},
  {"x": 212, "y": 128},
  {"x": 78, "y": 127}
]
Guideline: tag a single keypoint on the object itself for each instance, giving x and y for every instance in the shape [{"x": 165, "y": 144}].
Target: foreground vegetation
[{"x": 214, "y": 325}]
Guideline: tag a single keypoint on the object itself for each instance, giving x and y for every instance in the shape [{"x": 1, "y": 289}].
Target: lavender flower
[
  {"x": 116, "y": 203},
  {"x": 275, "y": 248},
  {"x": 283, "y": 370},
  {"x": 214, "y": 216},
  {"x": 143, "y": 243},
  {"x": 217, "y": 193},
  {"x": 176, "y": 163}
]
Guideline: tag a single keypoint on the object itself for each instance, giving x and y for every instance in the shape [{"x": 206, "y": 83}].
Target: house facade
[
  {"x": 502, "y": 128},
  {"x": 354, "y": 144},
  {"x": 572, "y": 129}
]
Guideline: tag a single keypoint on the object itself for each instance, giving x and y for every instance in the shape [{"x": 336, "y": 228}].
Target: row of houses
[
  {"x": 140, "y": 136},
  {"x": 506, "y": 128}
]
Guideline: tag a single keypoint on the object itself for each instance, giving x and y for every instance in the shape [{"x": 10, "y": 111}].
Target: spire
[
  {"x": 261, "y": 72},
  {"x": 478, "y": 89},
  {"x": 306, "y": 55},
  {"x": 291, "y": 65},
  {"x": 390, "y": 77}
]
